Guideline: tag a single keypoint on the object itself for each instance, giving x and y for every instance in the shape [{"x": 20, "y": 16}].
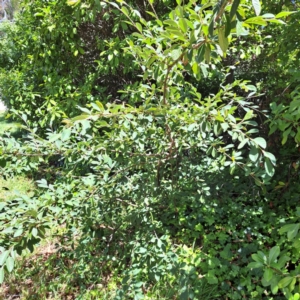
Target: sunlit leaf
[
  {"x": 269, "y": 167},
  {"x": 240, "y": 30},
  {"x": 256, "y": 6},
  {"x": 261, "y": 142},
  {"x": 3, "y": 257},
  {"x": 284, "y": 14},
  {"x": 284, "y": 282},
  {"x": 73, "y": 2},
  {"x": 10, "y": 262},
  {"x": 223, "y": 41}
]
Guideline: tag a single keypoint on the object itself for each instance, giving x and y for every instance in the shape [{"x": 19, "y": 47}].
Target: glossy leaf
[
  {"x": 256, "y": 6},
  {"x": 273, "y": 254},
  {"x": 269, "y": 167},
  {"x": 261, "y": 142},
  {"x": 271, "y": 157}
]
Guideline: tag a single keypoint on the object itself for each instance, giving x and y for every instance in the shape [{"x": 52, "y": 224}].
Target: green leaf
[
  {"x": 288, "y": 227},
  {"x": 273, "y": 254},
  {"x": 171, "y": 23},
  {"x": 207, "y": 53},
  {"x": 296, "y": 296},
  {"x": 80, "y": 118},
  {"x": 224, "y": 126},
  {"x": 139, "y": 27},
  {"x": 234, "y": 8},
  {"x": 261, "y": 142},
  {"x": 268, "y": 16},
  {"x": 18, "y": 232},
  {"x": 274, "y": 288},
  {"x": 3, "y": 257},
  {"x": 243, "y": 143},
  {"x": 100, "y": 105},
  {"x": 200, "y": 54},
  {"x": 232, "y": 169},
  {"x": 256, "y": 6},
  {"x": 297, "y": 136},
  {"x": 175, "y": 54},
  {"x": 268, "y": 274},
  {"x": 65, "y": 135},
  {"x": 249, "y": 115},
  {"x": 142, "y": 250},
  {"x": 291, "y": 234},
  {"x": 253, "y": 154},
  {"x": 205, "y": 72},
  {"x": 1, "y": 275},
  {"x": 211, "y": 27},
  {"x": 125, "y": 11},
  {"x": 184, "y": 293},
  {"x": 269, "y": 167},
  {"x": 34, "y": 232},
  {"x": 285, "y": 135},
  {"x": 276, "y": 21},
  {"x": 85, "y": 125},
  {"x": 240, "y": 30},
  {"x": 270, "y": 156},
  {"x": 284, "y": 14},
  {"x": 282, "y": 261},
  {"x": 211, "y": 278},
  {"x": 258, "y": 257},
  {"x": 284, "y": 282},
  {"x": 10, "y": 262},
  {"x": 223, "y": 40},
  {"x": 73, "y": 2},
  {"x": 227, "y": 26},
  {"x": 195, "y": 68},
  {"x": 292, "y": 284},
  {"x": 296, "y": 244},
  {"x": 256, "y": 21},
  {"x": 255, "y": 265},
  {"x": 183, "y": 25},
  {"x": 291, "y": 229}
]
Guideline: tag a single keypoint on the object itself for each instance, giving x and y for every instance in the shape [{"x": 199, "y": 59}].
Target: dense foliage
[{"x": 152, "y": 131}]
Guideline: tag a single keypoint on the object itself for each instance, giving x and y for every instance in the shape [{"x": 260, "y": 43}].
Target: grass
[
  {"x": 12, "y": 187},
  {"x": 7, "y": 125},
  {"x": 53, "y": 272}
]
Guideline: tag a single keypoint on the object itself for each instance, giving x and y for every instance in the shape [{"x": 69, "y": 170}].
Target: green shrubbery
[{"x": 167, "y": 191}]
